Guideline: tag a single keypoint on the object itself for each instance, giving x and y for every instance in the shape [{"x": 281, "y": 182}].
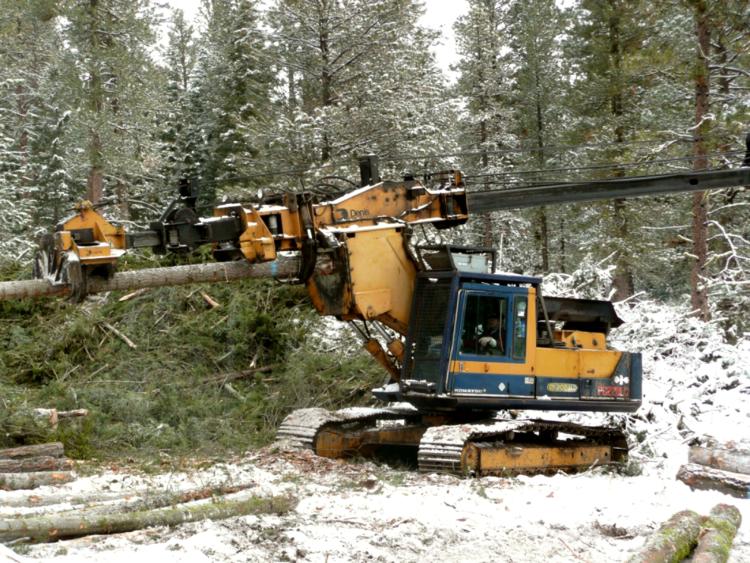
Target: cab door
[{"x": 489, "y": 352}]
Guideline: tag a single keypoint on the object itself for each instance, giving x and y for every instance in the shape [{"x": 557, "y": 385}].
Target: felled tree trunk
[
  {"x": 151, "y": 500},
  {"x": 283, "y": 266},
  {"x": 727, "y": 459},
  {"x": 33, "y": 479},
  {"x": 707, "y": 478},
  {"x": 138, "y": 499},
  {"x": 41, "y": 463},
  {"x": 673, "y": 541},
  {"x": 718, "y": 534},
  {"x": 55, "y": 527},
  {"x": 53, "y": 449}
]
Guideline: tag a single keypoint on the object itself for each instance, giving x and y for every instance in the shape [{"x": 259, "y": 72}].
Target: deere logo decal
[{"x": 562, "y": 387}]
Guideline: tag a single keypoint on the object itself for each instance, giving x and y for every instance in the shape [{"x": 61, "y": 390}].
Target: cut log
[
  {"x": 152, "y": 498},
  {"x": 53, "y": 449},
  {"x": 33, "y": 479},
  {"x": 737, "y": 461},
  {"x": 41, "y": 463},
  {"x": 673, "y": 541},
  {"x": 68, "y": 525},
  {"x": 706, "y": 478},
  {"x": 718, "y": 534},
  {"x": 283, "y": 266}
]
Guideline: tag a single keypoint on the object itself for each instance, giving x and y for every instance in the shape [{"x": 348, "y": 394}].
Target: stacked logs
[
  {"x": 721, "y": 467},
  {"x": 28, "y": 467}
]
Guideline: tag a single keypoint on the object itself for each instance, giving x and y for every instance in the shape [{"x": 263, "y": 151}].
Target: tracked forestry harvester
[{"x": 460, "y": 342}]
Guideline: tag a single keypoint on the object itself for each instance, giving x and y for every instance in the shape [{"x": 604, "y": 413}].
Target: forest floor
[
  {"x": 695, "y": 385},
  {"x": 363, "y": 511}
]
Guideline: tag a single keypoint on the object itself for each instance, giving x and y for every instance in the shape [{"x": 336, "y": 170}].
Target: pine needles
[{"x": 169, "y": 393}]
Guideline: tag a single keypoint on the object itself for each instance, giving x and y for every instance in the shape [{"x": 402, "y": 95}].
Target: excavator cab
[{"x": 488, "y": 342}]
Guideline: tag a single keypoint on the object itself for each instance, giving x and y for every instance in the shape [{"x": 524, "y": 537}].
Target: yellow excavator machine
[{"x": 460, "y": 342}]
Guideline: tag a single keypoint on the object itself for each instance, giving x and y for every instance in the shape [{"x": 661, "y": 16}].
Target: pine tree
[
  {"x": 484, "y": 84},
  {"x": 358, "y": 77},
  {"x": 535, "y": 29},
  {"x": 230, "y": 102},
  {"x": 179, "y": 146},
  {"x": 33, "y": 180},
  {"x": 113, "y": 83}
]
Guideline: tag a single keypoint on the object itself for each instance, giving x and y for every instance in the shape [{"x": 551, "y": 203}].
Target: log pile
[
  {"x": 109, "y": 513},
  {"x": 28, "y": 467},
  {"x": 705, "y": 539},
  {"x": 721, "y": 467}
]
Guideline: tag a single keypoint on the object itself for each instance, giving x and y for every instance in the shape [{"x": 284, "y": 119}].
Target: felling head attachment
[{"x": 82, "y": 245}]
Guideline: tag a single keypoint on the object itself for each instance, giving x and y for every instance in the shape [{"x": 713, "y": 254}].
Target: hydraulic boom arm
[{"x": 576, "y": 192}]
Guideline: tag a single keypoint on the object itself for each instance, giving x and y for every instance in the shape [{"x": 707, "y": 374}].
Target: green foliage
[{"x": 167, "y": 394}]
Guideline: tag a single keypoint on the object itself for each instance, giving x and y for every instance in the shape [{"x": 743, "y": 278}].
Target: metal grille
[{"x": 432, "y": 297}]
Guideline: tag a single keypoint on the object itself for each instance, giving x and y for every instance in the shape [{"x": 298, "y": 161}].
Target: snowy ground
[
  {"x": 367, "y": 512},
  {"x": 362, "y": 511}
]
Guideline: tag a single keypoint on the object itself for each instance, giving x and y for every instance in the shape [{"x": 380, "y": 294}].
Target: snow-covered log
[
  {"x": 673, "y": 541},
  {"x": 283, "y": 266},
  {"x": 707, "y": 478},
  {"x": 33, "y": 479},
  {"x": 718, "y": 533},
  {"x": 727, "y": 457},
  {"x": 71, "y": 525}
]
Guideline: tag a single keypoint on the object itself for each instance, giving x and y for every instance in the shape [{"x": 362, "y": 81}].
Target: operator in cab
[{"x": 491, "y": 342}]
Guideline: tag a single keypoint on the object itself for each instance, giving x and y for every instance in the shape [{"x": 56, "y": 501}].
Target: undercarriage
[{"x": 460, "y": 443}]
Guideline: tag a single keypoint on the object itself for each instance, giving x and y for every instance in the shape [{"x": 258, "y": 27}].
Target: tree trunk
[
  {"x": 698, "y": 290},
  {"x": 488, "y": 234},
  {"x": 153, "y": 500},
  {"x": 146, "y": 494},
  {"x": 673, "y": 541},
  {"x": 718, "y": 457},
  {"x": 623, "y": 278},
  {"x": 543, "y": 238},
  {"x": 32, "y": 480},
  {"x": 561, "y": 235},
  {"x": 718, "y": 534},
  {"x": 325, "y": 76},
  {"x": 541, "y": 163},
  {"x": 53, "y": 449},
  {"x": 159, "y": 277},
  {"x": 95, "y": 179},
  {"x": 706, "y": 478},
  {"x": 41, "y": 463},
  {"x": 56, "y": 527}
]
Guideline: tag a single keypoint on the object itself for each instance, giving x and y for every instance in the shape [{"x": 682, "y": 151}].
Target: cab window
[
  {"x": 519, "y": 328},
  {"x": 484, "y": 326}
]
